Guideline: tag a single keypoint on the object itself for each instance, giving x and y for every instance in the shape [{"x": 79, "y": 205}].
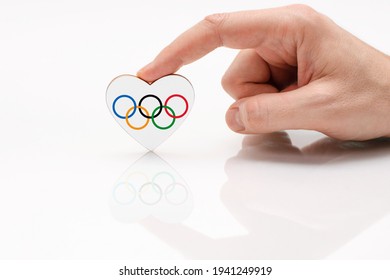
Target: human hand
[{"x": 296, "y": 70}]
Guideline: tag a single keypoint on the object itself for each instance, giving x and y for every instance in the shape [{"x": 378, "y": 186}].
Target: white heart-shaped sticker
[{"x": 150, "y": 113}]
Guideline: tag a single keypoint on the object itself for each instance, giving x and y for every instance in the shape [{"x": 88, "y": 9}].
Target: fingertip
[
  {"x": 155, "y": 70},
  {"x": 146, "y": 73}
]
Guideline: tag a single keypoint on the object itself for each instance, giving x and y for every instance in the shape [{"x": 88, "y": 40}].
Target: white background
[{"x": 61, "y": 152}]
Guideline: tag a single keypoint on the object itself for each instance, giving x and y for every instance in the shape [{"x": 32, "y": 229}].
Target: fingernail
[{"x": 234, "y": 121}]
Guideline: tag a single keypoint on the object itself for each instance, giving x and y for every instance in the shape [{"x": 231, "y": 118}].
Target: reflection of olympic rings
[
  {"x": 154, "y": 185},
  {"x": 128, "y": 188},
  {"x": 164, "y": 173},
  {"x": 136, "y": 176},
  {"x": 155, "y": 112},
  {"x": 151, "y": 192},
  {"x": 172, "y": 187}
]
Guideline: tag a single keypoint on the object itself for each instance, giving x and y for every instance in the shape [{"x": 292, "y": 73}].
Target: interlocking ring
[
  {"x": 129, "y": 188},
  {"x": 145, "y": 113},
  {"x": 166, "y": 102},
  {"x": 163, "y": 127},
  {"x": 159, "y": 101},
  {"x": 116, "y": 100},
  {"x": 154, "y": 185},
  {"x": 127, "y": 118},
  {"x": 170, "y": 188}
]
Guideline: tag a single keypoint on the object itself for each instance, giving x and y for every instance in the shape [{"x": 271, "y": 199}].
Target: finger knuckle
[
  {"x": 302, "y": 8},
  {"x": 235, "y": 87},
  {"x": 305, "y": 15},
  {"x": 229, "y": 83},
  {"x": 214, "y": 22},
  {"x": 226, "y": 82},
  {"x": 306, "y": 24}
]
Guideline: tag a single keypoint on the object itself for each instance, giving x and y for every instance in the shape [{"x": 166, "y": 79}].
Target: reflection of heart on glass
[
  {"x": 150, "y": 113},
  {"x": 151, "y": 187}
]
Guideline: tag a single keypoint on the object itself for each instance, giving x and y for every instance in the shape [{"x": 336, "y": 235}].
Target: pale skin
[{"x": 296, "y": 69}]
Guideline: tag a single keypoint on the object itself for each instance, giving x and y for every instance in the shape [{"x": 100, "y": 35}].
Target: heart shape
[
  {"x": 151, "y": 187},
  {"x": 150, "y": 113}
]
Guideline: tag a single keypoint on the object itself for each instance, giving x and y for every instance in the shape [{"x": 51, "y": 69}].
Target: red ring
[{"x": 185, "y": 111}]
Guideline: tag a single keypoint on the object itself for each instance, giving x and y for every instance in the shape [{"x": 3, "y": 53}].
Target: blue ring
[{"x": 119, "y": 97}]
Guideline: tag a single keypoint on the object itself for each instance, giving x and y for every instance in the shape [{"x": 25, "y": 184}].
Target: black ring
[{"x": 159, "y": 101}]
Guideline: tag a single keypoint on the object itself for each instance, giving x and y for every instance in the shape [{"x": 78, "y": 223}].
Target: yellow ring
[{"x": 134, "y": 127}]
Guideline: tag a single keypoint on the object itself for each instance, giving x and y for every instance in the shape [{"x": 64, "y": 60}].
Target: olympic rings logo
[{"x": 146, "y": 114}]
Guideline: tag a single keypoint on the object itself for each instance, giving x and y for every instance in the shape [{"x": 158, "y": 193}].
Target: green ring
[
  {"x": 164, "y": 173},
  {"x": 162, "y": 127}
]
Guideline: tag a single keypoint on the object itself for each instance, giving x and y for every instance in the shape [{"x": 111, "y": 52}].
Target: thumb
[{"x": 270, "y": 112}]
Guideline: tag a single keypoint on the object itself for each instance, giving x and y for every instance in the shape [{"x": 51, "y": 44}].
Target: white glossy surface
[{"x": 61, "y": 154}]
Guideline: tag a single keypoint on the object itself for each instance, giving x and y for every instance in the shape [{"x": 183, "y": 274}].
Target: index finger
[{"x": 246, "y": 29}]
